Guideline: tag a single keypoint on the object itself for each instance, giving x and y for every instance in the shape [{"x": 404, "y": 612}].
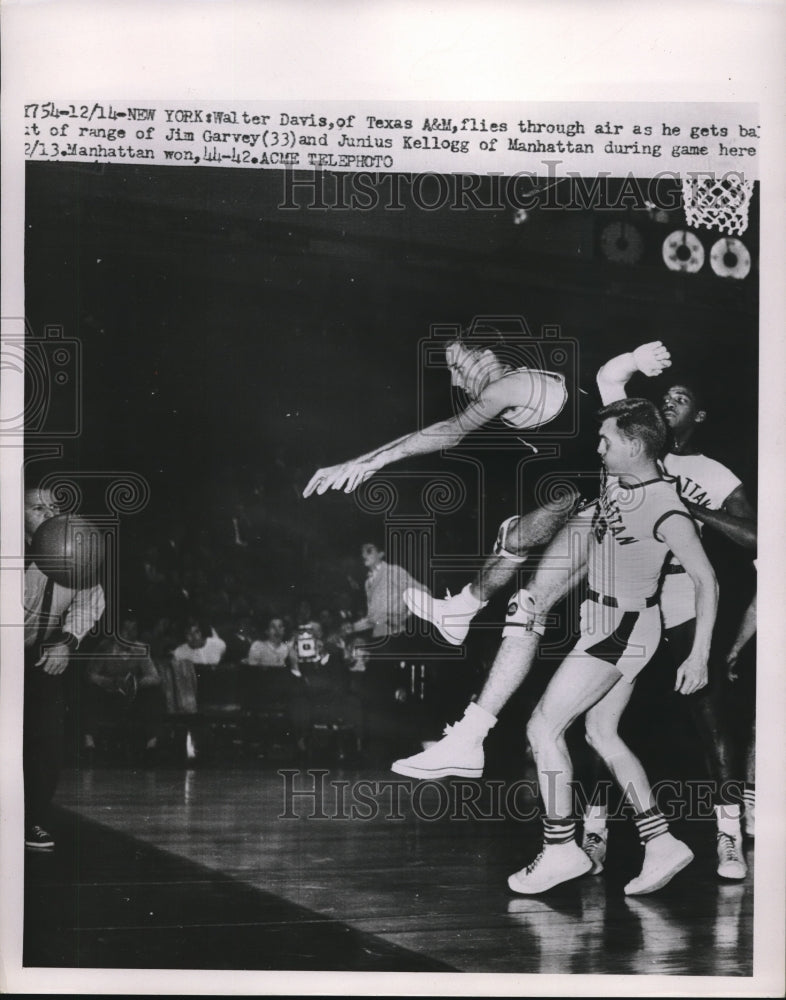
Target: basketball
[{"x": 68, "y": 549}]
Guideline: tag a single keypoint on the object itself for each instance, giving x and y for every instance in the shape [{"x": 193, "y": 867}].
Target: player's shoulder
[
  {"x": 664, "y": 505},
  {"x": 527, "y": 397},
  {"x": 505, "y": 390},
  {"x": 661, "y": 496},
  {"x": 698, "y": 461},
  {"x": 517, "y": 377}
]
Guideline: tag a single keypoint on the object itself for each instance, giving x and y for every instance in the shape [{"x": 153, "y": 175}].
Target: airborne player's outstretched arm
[
  {"x": 612, "y": 378},
  {"x": 347, "y": 476}
]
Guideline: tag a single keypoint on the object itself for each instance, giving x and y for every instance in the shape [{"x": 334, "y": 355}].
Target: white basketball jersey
[{"x": 706, "y": 483}]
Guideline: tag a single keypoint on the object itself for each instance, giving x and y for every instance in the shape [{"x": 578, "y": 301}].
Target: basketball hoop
[{"x": 717, "y": 202}]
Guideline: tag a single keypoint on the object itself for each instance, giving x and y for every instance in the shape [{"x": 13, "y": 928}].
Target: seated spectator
[
  {"x": 324, "y": 695},
  {"x": 161, "y": 637},
  {"x": 342, "y": 640},
  {"x": 273, "y": 650},
  {"x": 123, "y": 689},
  {"x": 327, "y": 621},
  {"x": 200, "y": 649},
  {"x": 304, "y": 619},
  {"x": 240, "y": 638},
  {"x": 271, "y": 664},
  {"x": 270, "y": 684}
]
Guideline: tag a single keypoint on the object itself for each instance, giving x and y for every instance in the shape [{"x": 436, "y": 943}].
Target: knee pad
[
  {"x": 521, "y": 617},
  {"x": 500, "y": 546}
]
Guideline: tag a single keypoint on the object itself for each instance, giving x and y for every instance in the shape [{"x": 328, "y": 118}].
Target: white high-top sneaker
[
  {"x": 458, "y": 753},
  {"x": 731, "y": 860},
  {"x": 556, "y": 863},
  {"x": 451, "y": 616},
  {"x": 664, "y": 856}
]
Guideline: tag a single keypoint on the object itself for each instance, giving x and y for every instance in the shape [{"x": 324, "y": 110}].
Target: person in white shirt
[
  {"x": 274, "y": 650},
  {"x": 199, "y": 649},
  {"x": 386, "y": 612}
]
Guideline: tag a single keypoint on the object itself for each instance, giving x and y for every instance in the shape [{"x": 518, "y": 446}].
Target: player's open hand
[
  {"x": 691, "y": 676},
  {"x": 651, "y": 359},
  {"x": 347, "y": 477}
]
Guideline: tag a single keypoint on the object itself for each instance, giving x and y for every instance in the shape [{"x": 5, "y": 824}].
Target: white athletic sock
[
  {"x": 728, "y": 819},
  {"x": 477, "y": 720}
]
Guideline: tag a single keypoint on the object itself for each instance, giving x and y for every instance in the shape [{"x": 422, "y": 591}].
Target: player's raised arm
[
  {"x": 683, "y": 539},
  {"x": 612, "y": 378},
  {"x": 347, "y": 476}
]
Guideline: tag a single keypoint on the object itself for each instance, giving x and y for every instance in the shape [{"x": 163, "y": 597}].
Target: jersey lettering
[
  {"x": 692, "y": 491},
  {"x": 608, "y": 518}
]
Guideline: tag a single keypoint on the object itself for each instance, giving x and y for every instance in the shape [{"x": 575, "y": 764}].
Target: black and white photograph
[{"x": 383, "y": 483}]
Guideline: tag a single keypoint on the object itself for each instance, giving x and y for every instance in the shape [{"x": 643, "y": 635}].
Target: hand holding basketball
[{"x": 69, "y": 550}]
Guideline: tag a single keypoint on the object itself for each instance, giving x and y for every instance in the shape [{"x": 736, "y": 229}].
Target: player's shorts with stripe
[{"x": 626, "y": 638}]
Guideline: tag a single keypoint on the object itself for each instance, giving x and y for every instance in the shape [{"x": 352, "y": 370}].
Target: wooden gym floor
[{"x": 221, "y": 867}]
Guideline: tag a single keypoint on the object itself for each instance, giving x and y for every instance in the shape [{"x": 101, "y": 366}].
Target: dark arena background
[{"x": 223, "y": 348}]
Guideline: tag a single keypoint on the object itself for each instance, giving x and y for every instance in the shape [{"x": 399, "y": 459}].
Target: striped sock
[
  {"x": 558, "y": 831},
  {"x": 749, "y": 797},
  {"x": 650, "y": 824}
]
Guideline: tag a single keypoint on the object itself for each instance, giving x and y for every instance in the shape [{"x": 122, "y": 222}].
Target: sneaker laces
[
  {"x": 727, "y": 847},
  {"x": 534, "y": 863},
  {"x": 593, "y": 841}
]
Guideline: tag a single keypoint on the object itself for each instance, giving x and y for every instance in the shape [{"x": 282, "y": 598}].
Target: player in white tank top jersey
[
  {"x": 637, "y": 522},
  {"x": 715, "y": 497}
]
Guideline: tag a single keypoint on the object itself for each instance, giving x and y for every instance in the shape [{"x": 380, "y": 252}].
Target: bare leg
[
  {"x": 602, "y": 725},
  {"x": 579, "y": 683},
  {"x": 562, "y": 567},
  {"x": 453, "y": 615},
  {"x": 538, "y": 527},
  {"x": 460, "y": 752}
]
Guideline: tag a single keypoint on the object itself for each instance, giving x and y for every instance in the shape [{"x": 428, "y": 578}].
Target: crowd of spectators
[{"x": 206, "y": 646}]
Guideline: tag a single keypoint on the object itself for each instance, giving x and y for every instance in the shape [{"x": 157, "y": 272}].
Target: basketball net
[{"x": 717, "y": 202}]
